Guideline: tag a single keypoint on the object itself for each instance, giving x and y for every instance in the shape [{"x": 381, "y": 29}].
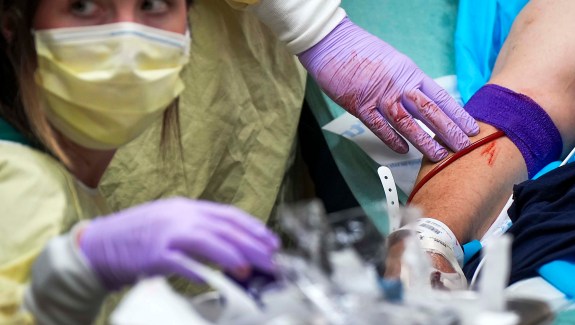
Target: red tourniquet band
[{"x": 453, "y": 158}]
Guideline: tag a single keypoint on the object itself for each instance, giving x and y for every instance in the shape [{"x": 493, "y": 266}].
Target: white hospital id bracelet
[
  {"x": 391, "y": 198},
  {"x": 443, "y": 239}
]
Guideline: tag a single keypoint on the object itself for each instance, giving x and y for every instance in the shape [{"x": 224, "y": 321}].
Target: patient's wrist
[
  {"x": 436, "y": 237},
  {"x": 441, "y": 245}
]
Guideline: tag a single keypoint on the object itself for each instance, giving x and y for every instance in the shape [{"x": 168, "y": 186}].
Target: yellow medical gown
[
  {"x": 239, "y": 116},
  {"x": 240, "y": 4},
  {"x": 39, "y": 200}
]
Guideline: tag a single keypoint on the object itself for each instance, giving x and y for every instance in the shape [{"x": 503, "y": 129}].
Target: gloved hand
[
  {"x": 384, "y": 88},
  {"x": 157, "y": 238}
]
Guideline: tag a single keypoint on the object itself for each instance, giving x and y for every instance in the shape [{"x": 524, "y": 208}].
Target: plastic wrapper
[{"x": 332, "y": 277}]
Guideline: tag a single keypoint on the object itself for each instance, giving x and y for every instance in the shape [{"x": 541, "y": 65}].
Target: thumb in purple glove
[
  {"x": 387, "y": 91},
  {"x": 157, "y": 238}
]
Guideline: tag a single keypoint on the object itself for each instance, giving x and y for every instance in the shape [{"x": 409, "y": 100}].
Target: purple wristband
[{"x": 524, "y": 122}]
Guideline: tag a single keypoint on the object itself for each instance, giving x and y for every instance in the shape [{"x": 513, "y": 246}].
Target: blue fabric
[
  {"x": 9, "y": 133},
  {"x": 560, "y": 274},
  {"x": 470, "y": 249},
  {"x": 547, "y": 169},
  {"x": 474, "y": 246},
  {"x": 482, "y": 27},
  {"x": 543, "y": 216}
]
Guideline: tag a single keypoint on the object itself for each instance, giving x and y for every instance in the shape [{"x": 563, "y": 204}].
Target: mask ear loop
[{"x": 189, "y": 39}]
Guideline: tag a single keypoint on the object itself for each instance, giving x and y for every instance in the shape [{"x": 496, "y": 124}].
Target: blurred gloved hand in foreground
[
  {"x": 156, "y": 238},
  {"x": 384, "y": 88}
]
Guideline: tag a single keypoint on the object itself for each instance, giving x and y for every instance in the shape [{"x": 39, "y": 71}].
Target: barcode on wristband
[{"x": 432, "y": 228}]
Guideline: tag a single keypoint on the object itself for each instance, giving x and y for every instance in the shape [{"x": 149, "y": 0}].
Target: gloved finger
[
  {"x": 430, "y": 114},
  {"x": 252, "y": 249},
  {"x": 405, "y": 124},
  {"x": 374, "y": 121},
  {"x": 202, "y": 244},
  {"x": 447, "y": 104},
  {"x": 175, "y": 262},
  {"x": 241, "y": 220}
]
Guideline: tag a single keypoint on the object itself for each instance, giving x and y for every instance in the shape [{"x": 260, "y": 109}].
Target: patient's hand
[
  {"x": 448, "y": 278},
  {"x": 440, "y": 263}
]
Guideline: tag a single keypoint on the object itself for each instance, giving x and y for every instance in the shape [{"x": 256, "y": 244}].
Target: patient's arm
[
  {"x": 537, "y": 60},
  {"x": 468, "y": 194}
]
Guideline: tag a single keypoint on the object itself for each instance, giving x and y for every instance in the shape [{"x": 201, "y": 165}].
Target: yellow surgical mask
[{"x": 104, "y": 85}]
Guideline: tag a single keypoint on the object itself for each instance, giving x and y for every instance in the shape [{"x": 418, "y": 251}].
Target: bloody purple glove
[
  {"x": 156, "y": 238},
  {"x": 385, "y": 89}
]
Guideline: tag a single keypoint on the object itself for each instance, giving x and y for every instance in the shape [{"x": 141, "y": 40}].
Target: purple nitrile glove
[
  {"x": 158, "y": 237},
  {"x": 383, "y": 88}
]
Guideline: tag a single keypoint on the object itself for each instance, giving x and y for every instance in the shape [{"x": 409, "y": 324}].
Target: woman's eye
[
  {"x": 155, "y": 6},
  {"x": 84, "y": 8}
]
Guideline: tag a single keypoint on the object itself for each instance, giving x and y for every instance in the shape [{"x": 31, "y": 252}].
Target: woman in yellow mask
[{"x": 79, "y": 80}]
